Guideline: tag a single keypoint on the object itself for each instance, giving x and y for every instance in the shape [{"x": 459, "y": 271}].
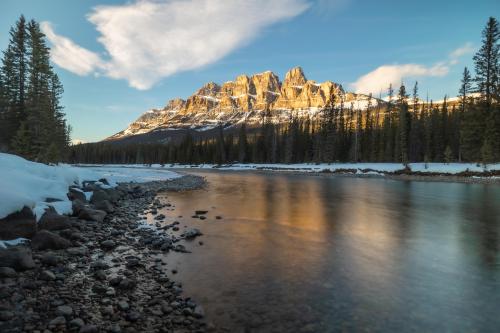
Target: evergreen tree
[{"x": 486, "y": 62}]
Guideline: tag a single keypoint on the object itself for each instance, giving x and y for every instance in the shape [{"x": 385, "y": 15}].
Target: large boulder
[
  {"x": 98, "y": 196},
  {"x": 19, "y": 224},
  {"x": 46, "y": 240},
  {"x": 78, "y": 206},
  {"x": 51, "y": 220},
  {"x": 90, "y": 214},
  {"x": 17, "y": 257},
  {"x": 76, "y": 194}
]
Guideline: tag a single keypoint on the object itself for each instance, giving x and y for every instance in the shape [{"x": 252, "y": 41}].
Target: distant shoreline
[
  {"x": 495, "y": 180},
  {"x": 470, "y": 173}
]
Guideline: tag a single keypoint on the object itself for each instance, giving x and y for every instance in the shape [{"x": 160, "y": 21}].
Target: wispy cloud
[
  {"x": 69, "y": 55},
  {"x": 380, "y": 78},
  {"x": 148, "y": 40}
]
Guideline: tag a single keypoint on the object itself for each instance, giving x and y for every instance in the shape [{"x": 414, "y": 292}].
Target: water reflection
[{"x": 326, "y": 254}]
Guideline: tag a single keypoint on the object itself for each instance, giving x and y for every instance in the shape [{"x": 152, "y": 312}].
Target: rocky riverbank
[{"x": 101, "y": 270}]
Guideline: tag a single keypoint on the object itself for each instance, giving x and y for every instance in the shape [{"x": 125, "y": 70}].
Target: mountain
[{"x": 246, "y": 99}]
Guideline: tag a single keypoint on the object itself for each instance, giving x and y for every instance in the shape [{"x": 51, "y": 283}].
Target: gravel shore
[{"x": 85, "y": 275}]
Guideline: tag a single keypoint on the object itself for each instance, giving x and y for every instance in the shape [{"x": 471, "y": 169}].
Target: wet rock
[
  {"x": 17, "y": 257},
  {"x": 192, "y": 233},
  {"x": 46, "y": 240},
  {"x": 90, "y": 214},
  {"x": 198, "y": 312},
  {"x": 160, "y": 217},
  {"x": 19, "y": 224},
  {"x": 201, "y": 212},
  {"x": 7, "y": 272}
]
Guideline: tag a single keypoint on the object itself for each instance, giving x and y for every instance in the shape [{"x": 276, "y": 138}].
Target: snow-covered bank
[
  {"x": 358, "y": 168},
  {"x": 37, "y": 186}
]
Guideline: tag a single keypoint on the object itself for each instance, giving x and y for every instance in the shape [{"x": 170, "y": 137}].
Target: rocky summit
[{"x": 246, "y": 99}]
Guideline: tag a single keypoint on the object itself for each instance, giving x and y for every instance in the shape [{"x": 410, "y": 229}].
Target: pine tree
[
  {"x": 486, "y": 62},
  {"x": 14, "y": 75},
  {"x": 403, "y": 124},
  {"x": 242, "y": 144}
]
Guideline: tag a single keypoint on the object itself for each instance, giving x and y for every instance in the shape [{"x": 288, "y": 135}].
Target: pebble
[
  {"x": 7, "y": 272},
  {"x": 47, "y": 275},
  {"x": 64, "y": 310}
]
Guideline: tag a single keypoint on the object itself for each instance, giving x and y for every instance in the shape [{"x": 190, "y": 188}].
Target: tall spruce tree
[{"x": 486, "y": 62}]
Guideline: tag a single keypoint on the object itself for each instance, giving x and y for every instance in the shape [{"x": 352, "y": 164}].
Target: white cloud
[
  {"x": 77, "y": 141},
  {"x": 69, "y": 55},
  {"x": 467, "y": 48},
  {"x": 380, "y": 78},
  {"x": 148, "y": 40}
]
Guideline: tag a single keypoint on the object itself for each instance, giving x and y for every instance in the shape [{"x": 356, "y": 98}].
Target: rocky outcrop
[{"x": 246, "y": 98}]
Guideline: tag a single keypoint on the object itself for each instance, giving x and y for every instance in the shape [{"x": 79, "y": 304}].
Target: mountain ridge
[{"x": 245, "y": 99}]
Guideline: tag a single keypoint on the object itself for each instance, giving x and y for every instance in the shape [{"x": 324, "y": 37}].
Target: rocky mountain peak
[
  {"x": 245, "y": 99},
  {"x": 295, "y": 77}
]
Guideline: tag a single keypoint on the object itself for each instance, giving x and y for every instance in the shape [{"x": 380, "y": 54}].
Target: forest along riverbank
[{"x": 98, "y": 272}]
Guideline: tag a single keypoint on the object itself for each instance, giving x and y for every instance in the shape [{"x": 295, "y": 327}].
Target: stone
[
  {"x": 105, "y": 205},
  {"x": 6, "y": 315},
  {"x": 50, "y": 259},
  {"x": 77, "y": 322},
  {"x": 192, "y": 233},
  {"x": 201, "y": 212},
  {"x": 108, "y": 244},
  {"x": 89, "y": 329},
  {"x": 7, "y": 272},
  {"x": 76, "y": 194},
  {"x": 133, "y": 316},
  {"x": 122, "y": 305},
  {"x": 198, "y": 312},
  {"x": 90, "y": 214},
  {"x": 58, "y": 321},
  {"x": 98, "y": 196},
  {"x": 46, "y": 240},
  {"x": 47, "y": 275},
  {"x": 20, "y": 224},
  {"x": 17, "y": 257},
  {"x": 51, "y": 221},
  {"x": 64, "y": 310}
]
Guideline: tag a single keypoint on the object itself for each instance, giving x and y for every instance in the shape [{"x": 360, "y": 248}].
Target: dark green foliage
[{"x": 33, "y": 123}]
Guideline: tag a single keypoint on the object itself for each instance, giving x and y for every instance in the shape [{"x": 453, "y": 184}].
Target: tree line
[{"x": 32, "y": 121}]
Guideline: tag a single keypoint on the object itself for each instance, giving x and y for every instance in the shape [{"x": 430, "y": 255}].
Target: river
[{"x": 302, "y": 253}]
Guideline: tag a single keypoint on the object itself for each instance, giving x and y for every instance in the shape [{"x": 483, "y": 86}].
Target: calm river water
[{"x": 298, "y": 253}]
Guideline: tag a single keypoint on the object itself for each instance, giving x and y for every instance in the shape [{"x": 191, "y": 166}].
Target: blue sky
[{"x": 117, "y": 59}]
